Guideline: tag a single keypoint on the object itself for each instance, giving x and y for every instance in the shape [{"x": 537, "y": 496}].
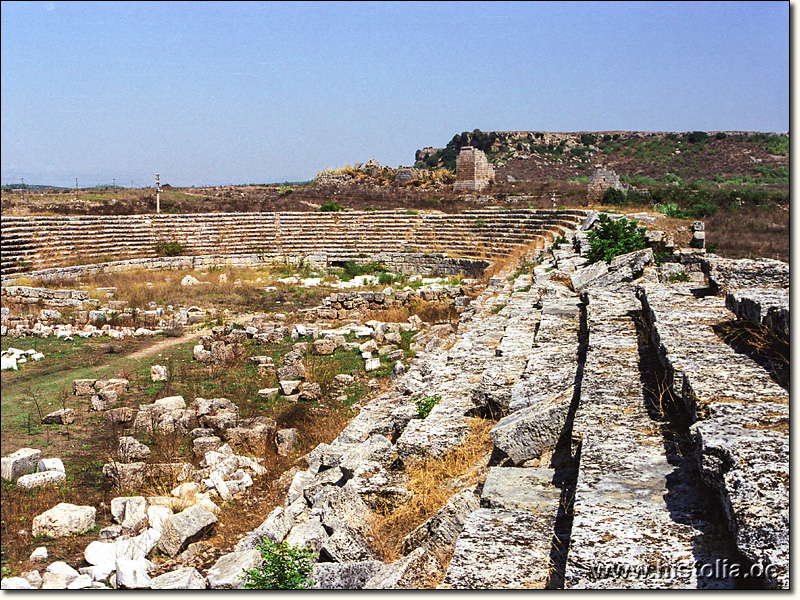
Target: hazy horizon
[{"x": 209, "y": 94}]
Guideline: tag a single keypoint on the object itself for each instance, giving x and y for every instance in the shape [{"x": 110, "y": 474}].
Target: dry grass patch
[
  {"x": 755, "y": 233},
  {"x": 433, "y": 481},
  {"x": 760, "y": 343}
]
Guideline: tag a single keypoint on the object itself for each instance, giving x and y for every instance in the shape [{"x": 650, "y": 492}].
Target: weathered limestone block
[
  {"x": 440, "y": 532},
  {"x": 64, "y": 519},
  {"x": 228, "y": 572},
  {"x": 529, "y": 432},
  {"x": 323, "y": 346},
  {"x": 380, "y": 487},
  {"x": 344, "y": 576},
  {"x": 338, "y": 507},
  {"x": 137, "y": 547},
  {"x": 726, "y": 274},
  {"x": 308, "y": 534},
  {"x": 132, "y": 574},
  {"x": 286, "y": 441},
  {"x": 21, "y": 462},
  {"x": 184, "y": 528},
  {"x": 131, "y": 450},
  {"x": 376, "y": 448},
  {"x": 117, "y": 416},
  {"x": 502, "y": 549},
  {"x": 186, "y": 578},
  {"x": 521, "y": 489},
  {"x": 417, "y": 570},
  {"x": 274, "y": 528},
  {"x": 83, "y": 387},
  {"x": 42, "y": 479},
  {"x": 65, "y": 416},
  {"x": 744, "y": 456},
  {"x": 625, "y": 268},
  {"x": 202, "y": 445},
  {"x": 129, "y": 511},
  {"x": 158, "y": 373},
  {"x": 764, "y": 306},
  {"x": 125, "y": 476},
  {"x": 346, "y": 545},
  {"x": 289, "y": 387},
  {"x": 19, "y": 583}
]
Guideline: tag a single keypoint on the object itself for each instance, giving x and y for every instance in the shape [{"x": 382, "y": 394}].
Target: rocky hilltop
[{"x": 715, "y": 157}]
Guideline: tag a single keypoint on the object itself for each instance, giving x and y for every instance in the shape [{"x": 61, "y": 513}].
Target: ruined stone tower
[
  {"x": 600, "y": 181},
  {"x": 473, "y": 171}
]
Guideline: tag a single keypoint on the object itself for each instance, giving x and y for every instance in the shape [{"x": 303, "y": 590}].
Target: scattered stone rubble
[{"x": 591, "y": 467}]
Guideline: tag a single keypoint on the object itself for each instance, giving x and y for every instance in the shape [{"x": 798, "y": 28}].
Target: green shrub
[
  {"x": 613, "y": 238},
  {"x": 425, "y": 405},
  {"x": 614, "y": 197},
  {"x": 283, "y": 568},
  {"x": 353, "y": 269},
  {"x": 385, "y": 279},
  {"x": 170, "y": 249},
  {"x": 679, "y": 276},
  {"x": 498, "y": 307},
  {"x": 696, "y": 137},
  {"x": 330, "y": 207}
]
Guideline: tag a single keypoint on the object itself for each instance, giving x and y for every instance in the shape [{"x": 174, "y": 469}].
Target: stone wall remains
[{"x": 473, "y": 171}]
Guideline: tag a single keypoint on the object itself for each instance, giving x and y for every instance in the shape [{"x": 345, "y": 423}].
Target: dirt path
[{"x": 170, "y": 342}]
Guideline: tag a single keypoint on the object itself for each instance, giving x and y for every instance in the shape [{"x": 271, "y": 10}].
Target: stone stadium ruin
[{"x": 632, "y": 447}]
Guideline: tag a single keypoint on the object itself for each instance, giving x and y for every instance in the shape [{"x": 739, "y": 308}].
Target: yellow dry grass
[{"x": 432, "y": 482}]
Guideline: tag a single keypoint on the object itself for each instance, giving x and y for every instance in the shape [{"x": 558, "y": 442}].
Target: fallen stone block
[
  {"x": 346, "y": 545},
  {"x": 51, "y": 464},
  {"x": 42, "y": 479},
  {"x": 531, "y": 431},
  {"x": 158, "y": 373},
  {"x": 184, "y": 528},
  {"x": 15, "y": 583},
  {"x": 308, "y": 534},
  {"x": 228, "y": 572},
  {"x": 83, "y": 387},
  {"x": 21, "y": 462},
  {"x": 440, "y": 532},
  {"x": 64, "y": 519},
  {"x": 65, "y": 416},
  {"x": 125, "y": 476},
  {"x": 187, "y": 578},
  {"x": 132, "y": 574},
  {"x": 131, "y": 450}
]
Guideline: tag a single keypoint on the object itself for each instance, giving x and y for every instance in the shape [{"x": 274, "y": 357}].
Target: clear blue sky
[{"x": 239, "y": 92}]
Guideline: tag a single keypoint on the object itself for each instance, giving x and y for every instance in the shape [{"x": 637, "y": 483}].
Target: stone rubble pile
[{"x": 11, "y": 359}]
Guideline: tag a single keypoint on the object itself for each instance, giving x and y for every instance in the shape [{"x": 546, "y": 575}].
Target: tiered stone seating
[
  {"x": 632, "y": 512},
  {"x": 742, "y": 432},
  {"x": 36, "y": 243}
]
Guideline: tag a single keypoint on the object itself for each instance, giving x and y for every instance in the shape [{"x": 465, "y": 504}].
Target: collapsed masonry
[{"x": 473, "y": 171}]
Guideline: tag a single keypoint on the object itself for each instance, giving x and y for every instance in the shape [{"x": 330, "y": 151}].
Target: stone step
[
  {"x": 538, "y": 406},
  {"x": 506, "y": 544},
  {"x": 634, "y": 506}
]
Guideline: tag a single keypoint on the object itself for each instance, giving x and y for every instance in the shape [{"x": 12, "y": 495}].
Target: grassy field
[{"x": 89, "y": 442}]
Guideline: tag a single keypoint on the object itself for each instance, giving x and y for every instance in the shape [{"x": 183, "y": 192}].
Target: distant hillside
[{"x": 645, "y": 158}]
